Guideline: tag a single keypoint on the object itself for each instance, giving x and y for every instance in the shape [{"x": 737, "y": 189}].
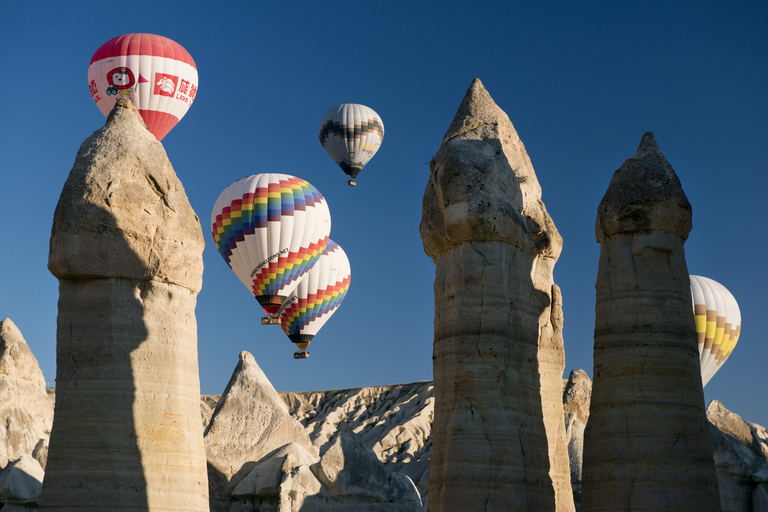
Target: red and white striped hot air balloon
[
  {"x": 156, "y": 73},
  {"x": 718, "y": 324}
]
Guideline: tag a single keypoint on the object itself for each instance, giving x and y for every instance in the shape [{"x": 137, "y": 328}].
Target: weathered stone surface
[
  {"x": 127, "y": 249},
  {"x": 249, "y": 422},
  {"x": 123, "y": 213},
  {"x": 348, "y": 469},
  {"x": 499, "y": 437},
  {"x": 395, "y": 422},
  {"x": 263, "y": 482},
  {"x": 646, "y": 444},
  {"x": 729, "y": 423},
  {"x": 20, "y": 482},
  {"x": 26, "y": 413},
  {"x": 576, "y": 395}
]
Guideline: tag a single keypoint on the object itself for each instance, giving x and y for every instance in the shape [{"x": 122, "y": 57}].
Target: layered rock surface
[
  {"x": 250, "y": 421},
  {"x": 387, "y": 422},
  {"x": 646, "y": 445},
  {"x": 262, "y": 459},
  {"x": 126, "y": 247},
  {"x": 499, "y": 438}
]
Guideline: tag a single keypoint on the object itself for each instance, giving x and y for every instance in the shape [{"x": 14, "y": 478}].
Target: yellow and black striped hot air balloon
[
  {"x": 718, "y": 324},
  {"x": 351, "y": 134}
]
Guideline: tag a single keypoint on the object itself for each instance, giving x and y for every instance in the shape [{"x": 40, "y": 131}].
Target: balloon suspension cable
[
  {"x": 301, "y": 354},
  {"x": 352, "y": 183}
]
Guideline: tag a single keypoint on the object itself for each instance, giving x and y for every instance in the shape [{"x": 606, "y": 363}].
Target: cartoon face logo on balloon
[
  {"x": 138, "y": 66},
  {"x": 120, "y": 81}
]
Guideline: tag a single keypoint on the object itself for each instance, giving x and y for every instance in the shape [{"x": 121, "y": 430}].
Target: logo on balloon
[{"x": 165, "y": 85}]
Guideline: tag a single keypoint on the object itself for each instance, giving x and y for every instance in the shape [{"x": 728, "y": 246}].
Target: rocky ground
[{"x": 353, "y": 449}]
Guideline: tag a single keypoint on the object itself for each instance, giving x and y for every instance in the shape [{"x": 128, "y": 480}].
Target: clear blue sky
[{"x": 580, "y": 81}]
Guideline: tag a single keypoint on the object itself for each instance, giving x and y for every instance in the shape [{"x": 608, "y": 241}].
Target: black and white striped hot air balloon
[
  {"x": 351, "y": 134},
  {"x": 718, "y": 324}
]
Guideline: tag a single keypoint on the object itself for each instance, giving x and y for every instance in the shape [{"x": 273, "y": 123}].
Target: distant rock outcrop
[
  {"x": 127, "y": 248},
  {"x": 646, "y": 446},
  {"x": 740, "y": 450},
  {"x": 394, "y": 422},
  {"x": 26, "y": 412},
  {"x": 261, "y": 459},
  {"x": 250, "y": 421},
  {"x": 499, "y": 439}
]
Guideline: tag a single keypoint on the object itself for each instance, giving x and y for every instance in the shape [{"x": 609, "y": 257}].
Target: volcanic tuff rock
[
  {"x": 395, "y": 422},
  {"x": 26, "y": 413},
  {"x": 261, "y": 459},
  {"x": 127, "y": 248},
  {"x": 646, "y": 443},
  {"x": 499, "y": 438},
  {"x": 740, "y": 451},
  {"x": 250, "y": 421},
  {"x": 389, "y": 419}
]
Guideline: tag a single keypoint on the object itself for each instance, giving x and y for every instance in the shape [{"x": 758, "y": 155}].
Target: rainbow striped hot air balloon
[
  {"x": 317, "y": 297},
  {"x": 718, "y": 324},
  {"x": 271, "y": 229},
  {"x": 156, "y": 73},
  {"x": 351, "y": 134}
]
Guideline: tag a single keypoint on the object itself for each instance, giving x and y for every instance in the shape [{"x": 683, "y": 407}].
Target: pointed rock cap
[
  {"x": 644, "y": 195},
  {"x": 252, "y": 417},
  {"x": 482, "y": 185},
  {"x": 123, "y": 212},
  {"x": 16, "y": 359},
  {"x": 477, "y": 109}
]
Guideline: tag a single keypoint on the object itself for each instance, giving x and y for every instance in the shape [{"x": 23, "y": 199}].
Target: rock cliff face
[
  {"x": 646, "y": 445},
  {"x": 499, "y": 438},
  {"x": 127, "y": 250}
]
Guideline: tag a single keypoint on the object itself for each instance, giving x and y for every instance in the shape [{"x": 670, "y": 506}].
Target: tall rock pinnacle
[
  {"x": 646, "y": 445},
  {"x": 498, "y": 433},
  {"x": 126, "y": 247}
]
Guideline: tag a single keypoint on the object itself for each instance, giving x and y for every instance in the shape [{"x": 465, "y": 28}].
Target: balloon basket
[
  {"x": 301, "y": 354},
  {"x": 269, "y": 320},
  {"x": 352, "y": 183}
]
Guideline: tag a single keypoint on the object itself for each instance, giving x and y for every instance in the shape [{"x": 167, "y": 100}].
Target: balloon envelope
[
  {"x": 317, "y": 297},
  {"x": 271, "y": 229},
  {"x": 156, "y": 73},
  {"x": 351, "y": 134},
  {"x": 718, "y": 324}
]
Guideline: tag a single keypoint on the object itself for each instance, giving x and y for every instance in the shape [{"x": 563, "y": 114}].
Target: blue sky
[{"x": 580, "y": 81}]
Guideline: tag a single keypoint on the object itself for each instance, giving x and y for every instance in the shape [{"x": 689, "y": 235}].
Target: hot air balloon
[
  {"x": 156, "y": 73},
  {"x": 271, "y": 229},
  {"x": 317, "y": 297},
  {"x": 718, "y": 324},
  {"x": 351, "y": 134}
]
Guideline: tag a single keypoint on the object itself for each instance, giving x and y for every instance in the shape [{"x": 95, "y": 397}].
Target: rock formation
[
  {"x": 646, "y": 445},
  {"x": 741, "y": 456},
  {"x": 394, "y": 422},
  {"x": 576, "y": 397},
  {"x": 250, "y": 421},
  {"x": 126, "y": 247},
  {"x": 261, "y": 459},
  {"x": 499, "y": 439},
  {"x": 26, "y": 413}
]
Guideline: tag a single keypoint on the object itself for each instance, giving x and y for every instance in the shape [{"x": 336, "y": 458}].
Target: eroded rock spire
[
  {"x": 646, "y": 445},
  {"x": 127, "y": 248},
  {"x": 499, "y": 439}
]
